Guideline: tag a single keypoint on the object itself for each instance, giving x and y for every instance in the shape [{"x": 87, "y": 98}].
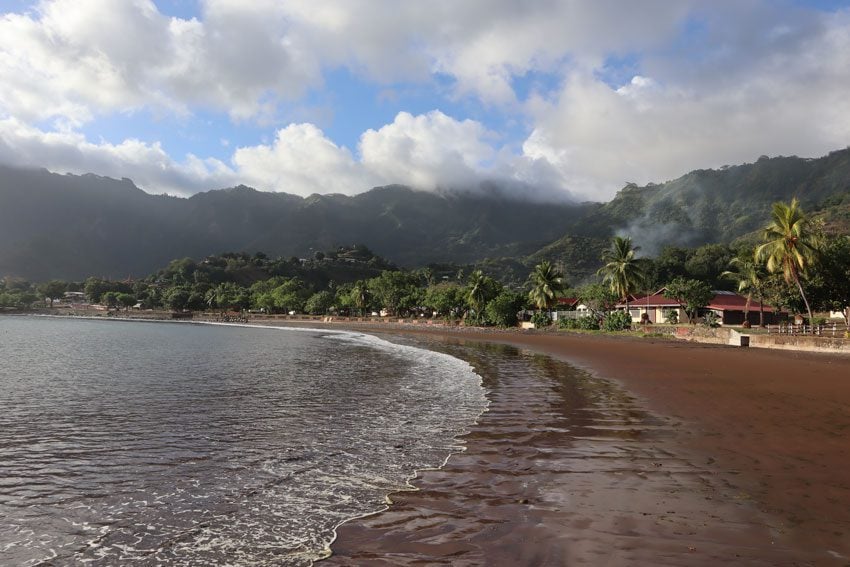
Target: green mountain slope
[
  {"x": 70, "y": 227},
  {"x": 66, "y": 226}
]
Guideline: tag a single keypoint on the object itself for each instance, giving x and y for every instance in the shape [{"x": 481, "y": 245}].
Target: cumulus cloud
[
  {"x": 786, "y": 100},
  {"x": 428, "y": 151},
  {"x": 431, "y": 151},
  {"x": 72, "y": 59},
  {"x": 302, "y": 160},
  {"x": 147, "y": 164},
  {"x": 709, "y": 84}
]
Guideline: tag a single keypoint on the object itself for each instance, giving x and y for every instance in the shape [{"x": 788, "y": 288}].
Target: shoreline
[
  {"x": 766, "y": 431},
  {"x": 769, "y": 428}
]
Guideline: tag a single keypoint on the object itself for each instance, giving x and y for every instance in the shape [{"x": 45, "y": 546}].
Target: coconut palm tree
[
  {"x": 360, "y": 296},
  {"x": 479, "y": 290},
  {"x": 790, "y": 245},
  {"x": 622, "y": 271},
  {"x": 547, "y": 283},
  {"x": 750, "y": 275}
]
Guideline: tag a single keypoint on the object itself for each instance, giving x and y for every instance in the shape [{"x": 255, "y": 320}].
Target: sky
[{"x": 545, "y": 99}]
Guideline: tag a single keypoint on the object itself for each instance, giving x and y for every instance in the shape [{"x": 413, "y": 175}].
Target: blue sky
[{"x": 551, "y": 99}]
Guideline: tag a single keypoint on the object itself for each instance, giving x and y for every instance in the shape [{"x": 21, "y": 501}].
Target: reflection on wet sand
[{"x": 563, "y": 469}]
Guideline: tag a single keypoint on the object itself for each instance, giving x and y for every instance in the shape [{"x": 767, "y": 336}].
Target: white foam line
[{"x": 370, "y": 340}]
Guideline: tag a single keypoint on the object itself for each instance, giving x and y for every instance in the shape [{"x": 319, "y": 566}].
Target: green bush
[
  {"x": 588, "y": 323},
  {"x": 585, "y": 323},
  {"x": 502, "y": 310},
  {"x": 617, "y": 321},
  {"x": 473, "y": 319},
  {"x": 672, "y": 316},
  {"x": 710, "y": 319},
  {"x": 541, "y": 319}
]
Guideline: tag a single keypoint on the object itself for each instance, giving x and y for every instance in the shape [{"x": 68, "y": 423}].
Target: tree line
[{"x": 793, "y": 264}]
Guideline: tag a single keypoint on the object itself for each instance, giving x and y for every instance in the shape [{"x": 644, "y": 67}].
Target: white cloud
[
  {"x": 146, "y": 164},
  {"x": 428, "y": 151},
  {"x": 751, "y": 78},
  {"x": 790, "y": 99},
  {"x": 74, "y": 59},
  {"x": 302, "y": 161}
]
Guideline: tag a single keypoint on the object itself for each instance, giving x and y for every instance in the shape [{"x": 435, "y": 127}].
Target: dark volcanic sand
[{"x": 693, "y": 455}]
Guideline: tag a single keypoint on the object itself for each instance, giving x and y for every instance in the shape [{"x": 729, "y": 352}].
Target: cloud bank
[{"x": 640, "y": 92}]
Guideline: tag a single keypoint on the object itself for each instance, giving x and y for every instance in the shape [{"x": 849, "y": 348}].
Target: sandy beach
[{"x": 637, "y": 452}]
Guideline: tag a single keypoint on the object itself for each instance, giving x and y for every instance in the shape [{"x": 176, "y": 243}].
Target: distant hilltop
[{"x": 74, "y": 226}]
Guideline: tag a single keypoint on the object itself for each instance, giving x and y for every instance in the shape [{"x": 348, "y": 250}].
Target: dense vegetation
[
  {"x": 798, "y": 265},
  {"x": 70, "y": 227}
]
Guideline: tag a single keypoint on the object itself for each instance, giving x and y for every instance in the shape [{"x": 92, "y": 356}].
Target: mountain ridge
[{"x": 72, "y": 226}]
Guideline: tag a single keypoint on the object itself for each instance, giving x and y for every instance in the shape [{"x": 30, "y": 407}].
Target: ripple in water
[{"x": 182, "y": 444}]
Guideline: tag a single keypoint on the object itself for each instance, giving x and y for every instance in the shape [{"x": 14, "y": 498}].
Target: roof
[
  {"x": 731, "y": 301},
  {"x": 571, "y": 301},
  {"x": 722, "y": 301},
  {"x": 656, "y": 299}
]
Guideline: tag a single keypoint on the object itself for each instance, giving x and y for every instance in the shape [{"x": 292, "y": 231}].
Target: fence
[{"x": 825, "y": 330}]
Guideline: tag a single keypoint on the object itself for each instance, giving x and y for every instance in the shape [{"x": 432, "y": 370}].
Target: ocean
[{"x": 183, "y": 444}]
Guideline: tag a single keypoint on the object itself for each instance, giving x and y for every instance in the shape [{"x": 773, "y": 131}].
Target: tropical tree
[
  {"x": 126, "y": 300},
  {"x": 447, "y": 299},
  {"x": 479, "y": 290},
  {"x": 829, "y": 286},
  {"x": 319, "y": 303},
  {"x": 502, "y": 310},
  {"x": 360, "y": 296},
  {"x": 52, "y": 290},
  {"x": 597, "y": 297},
  {"x": 692, "y": 294},
  {"x": 397, "y": 292},
  {"x": 750, "y": 278},
  {"x": 622, "y": 271},
  {"x": 790, "y": 245},
  {"x": 547, "y": 283}
]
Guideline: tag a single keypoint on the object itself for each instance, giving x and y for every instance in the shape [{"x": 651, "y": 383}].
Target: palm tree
[
  {"x": 547, "y": 283},
  {"x": 622, "y": 271},
  {"x": 360, "y": 296},
  {"x": 478, "y": 290},
  {"x": 749, "y": 274},
  {"x": 790, "y": 245}
]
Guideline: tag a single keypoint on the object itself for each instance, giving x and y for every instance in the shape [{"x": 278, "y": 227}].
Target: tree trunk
[
  {"x": 806, "y": 301},
  {"x": 747, "y": 310}
]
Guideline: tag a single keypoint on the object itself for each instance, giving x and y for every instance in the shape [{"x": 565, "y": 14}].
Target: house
[
  {"x": 655, "y": 306},
  {"x": 728, "y": 306},
  {"x": 569, "y": 308}
]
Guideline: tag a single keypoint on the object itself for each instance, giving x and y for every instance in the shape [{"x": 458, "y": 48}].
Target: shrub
[
  {"x": 473, "y": 319},
  {"x": 710, "y": 319},
  {"x": 672, "y": 316},
  {"x": 585, "y": 323},
  {"x": 617, "y": 321},
  {"x": 541, "y": 319},
  {"x": 502, "y": 310}
]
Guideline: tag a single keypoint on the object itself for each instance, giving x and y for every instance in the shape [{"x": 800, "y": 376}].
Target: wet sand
[{"x": 639, "y": 452}]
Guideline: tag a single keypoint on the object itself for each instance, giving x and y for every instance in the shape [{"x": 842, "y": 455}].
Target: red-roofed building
[
  {"x": 729, "y": 308},
  {"x": 654, "y": 306},
  {"x": 727, "y": 305}
]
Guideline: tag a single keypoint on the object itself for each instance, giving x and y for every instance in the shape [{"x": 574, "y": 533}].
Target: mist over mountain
[{"x": 71, "y": 227}]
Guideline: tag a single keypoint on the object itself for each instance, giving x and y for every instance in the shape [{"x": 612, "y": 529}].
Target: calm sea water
[{"x": 151, "y": 443}]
